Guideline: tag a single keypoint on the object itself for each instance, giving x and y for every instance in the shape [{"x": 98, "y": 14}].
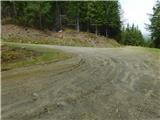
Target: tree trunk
[
  {"x": 40, "y": 16},
  {"x": 78, "y": 23},
  {"x": 96, "y": 30},
  {"x": 60, "y": 22},
  {"x": 57, "y": 24},
  {"x": 87, "y": 26},
  {"x": 40, "y": 21},
  {"x": 106, "y": 32},
  {"x": 14, "y": 10}
]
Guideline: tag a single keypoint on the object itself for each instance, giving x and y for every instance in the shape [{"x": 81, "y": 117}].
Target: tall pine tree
[{"x": 155, "y": 25}]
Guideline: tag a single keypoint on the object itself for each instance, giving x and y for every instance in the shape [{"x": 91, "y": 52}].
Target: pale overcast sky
[{"x": 135, "y": 11}]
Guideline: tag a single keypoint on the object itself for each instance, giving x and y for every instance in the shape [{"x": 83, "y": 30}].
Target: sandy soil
[{"x": 97, "y": 84}]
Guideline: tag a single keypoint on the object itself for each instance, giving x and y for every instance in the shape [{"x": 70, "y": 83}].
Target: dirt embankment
[
  {"x": 67, "y": 37},
  {"x": 97, "y": 84}
]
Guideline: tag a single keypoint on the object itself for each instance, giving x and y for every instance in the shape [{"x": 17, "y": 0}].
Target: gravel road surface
[{"x": 96, "y": 84}]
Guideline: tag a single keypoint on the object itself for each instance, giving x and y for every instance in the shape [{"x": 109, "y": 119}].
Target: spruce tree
[{"x": 155, "y": 25}]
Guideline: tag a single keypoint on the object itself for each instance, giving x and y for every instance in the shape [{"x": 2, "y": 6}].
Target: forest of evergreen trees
[
  {"x": 131, "y": 35},
  {"x": 99, "y": 17}
]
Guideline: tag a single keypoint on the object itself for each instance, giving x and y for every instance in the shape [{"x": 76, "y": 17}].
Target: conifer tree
[{"x": 155, "y": 25}]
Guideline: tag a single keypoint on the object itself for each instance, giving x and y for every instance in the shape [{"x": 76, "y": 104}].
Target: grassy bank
[{"x": 15, "y": 55}]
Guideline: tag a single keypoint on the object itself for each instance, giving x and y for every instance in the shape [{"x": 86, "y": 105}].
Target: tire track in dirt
[{"x": 21, "y": 103}]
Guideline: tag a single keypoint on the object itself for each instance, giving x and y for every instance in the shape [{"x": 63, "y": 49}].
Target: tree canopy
[{"x": 155, "y": 25}]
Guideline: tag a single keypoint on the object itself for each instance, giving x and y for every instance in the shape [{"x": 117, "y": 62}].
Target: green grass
[
  {"x": 154, "y": 53},
  {"x": 153, "y": 50},
  {"x": 17, "y": 55},
  {"x": 146, "y": 49}
]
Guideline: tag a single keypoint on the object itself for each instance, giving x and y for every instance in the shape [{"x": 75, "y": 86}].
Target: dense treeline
[
  {"x": 35, "y": 14},
  {"x": 131, "y": 35},
  {"x": 155, "y": 25},
  {"x": 101, "y": 17}
]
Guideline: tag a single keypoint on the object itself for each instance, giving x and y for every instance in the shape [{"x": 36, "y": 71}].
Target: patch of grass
[
  {"x": 145, "y": 49},
  {"x": 153, "y": 51},
  {"x": 15, "y": 56}
]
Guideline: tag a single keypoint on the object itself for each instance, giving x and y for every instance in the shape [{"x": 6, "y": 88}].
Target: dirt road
[{"x": 96, "y": 84}]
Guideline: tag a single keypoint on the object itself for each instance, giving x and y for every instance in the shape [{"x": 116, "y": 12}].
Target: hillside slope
[{"x": 68, "y": 37}]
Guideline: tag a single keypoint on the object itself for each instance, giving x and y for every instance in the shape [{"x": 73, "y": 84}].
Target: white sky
[{"x": 135, "y": 11}]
